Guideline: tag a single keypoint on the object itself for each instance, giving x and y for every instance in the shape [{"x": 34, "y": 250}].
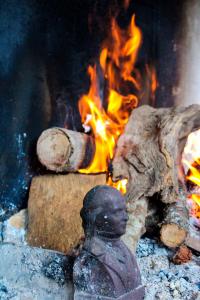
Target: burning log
[
  {"x": 62, "y": 150},
  {"x": 149, "y": 155}
]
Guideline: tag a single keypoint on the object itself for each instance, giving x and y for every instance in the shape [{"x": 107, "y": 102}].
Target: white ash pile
[
  {"x": 162, "y": 278},
  {"x": 34, "y": 274}
]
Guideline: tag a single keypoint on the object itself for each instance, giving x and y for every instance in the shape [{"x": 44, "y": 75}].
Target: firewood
[
  {"x": 175, "y": 224},
  {"x": 62, "y": 150},
  {"x": 54, "y": 209},
  {"x": 149, "y": 152},
  {"x": 193, "y": 237},
  {"x": 137, "y": 212},
  {"x": 193, "y": 240}
]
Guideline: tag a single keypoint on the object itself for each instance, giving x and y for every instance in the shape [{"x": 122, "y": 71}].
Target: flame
[
  {"x": 119, "y": 185},
  {"x": 196, "y": 199},
  {"x": 117, "y": 73},
  {"x": 151, "y": 71},
  {"x": 191, "y": 163}
]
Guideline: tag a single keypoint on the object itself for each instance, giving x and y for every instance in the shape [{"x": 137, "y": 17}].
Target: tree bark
[
  {"x": 149, "y": 153},
  {"x": 175, "y": 225},
  {"x": 193, "y": 237},
  {"x": 137, "y": 212}
]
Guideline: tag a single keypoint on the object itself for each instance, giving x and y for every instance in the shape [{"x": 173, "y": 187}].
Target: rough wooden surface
[
  {"x": 172, "y": 235},
  {"x": 137, "y": 212},
  {"x": 62, "y": 150},
  {"x": 149, "y": 152},
  {"x": 54, "y": 209},
  {"x": 193, "y": 237}
]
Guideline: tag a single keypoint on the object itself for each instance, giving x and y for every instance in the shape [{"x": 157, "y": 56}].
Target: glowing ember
[
  {"x": 191, "y": 163},
  {"x": 117, "y": 68}
]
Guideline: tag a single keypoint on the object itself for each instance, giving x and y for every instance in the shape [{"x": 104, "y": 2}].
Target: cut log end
[
  {"x": 53, "y": 149},
  {"x": 64, "y": 150},
  {"x": 172, "y": 235}
]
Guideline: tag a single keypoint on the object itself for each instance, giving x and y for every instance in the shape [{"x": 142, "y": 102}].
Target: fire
[
  {"x": 105, "y": 111},
  {"x": 191, "y": 163},
  {"x": 151, "y": 72},
  {"x": 120, "y": 185}
]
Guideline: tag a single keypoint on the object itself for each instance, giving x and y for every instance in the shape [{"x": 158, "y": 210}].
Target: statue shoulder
[{"x": 90, "y": 275}]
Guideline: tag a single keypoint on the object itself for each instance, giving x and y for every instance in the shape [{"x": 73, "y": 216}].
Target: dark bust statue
[{"x": 105, "y": 268}]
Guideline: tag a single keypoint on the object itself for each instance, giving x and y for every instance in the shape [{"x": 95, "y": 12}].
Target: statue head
[{"x": 104, "y": 212}]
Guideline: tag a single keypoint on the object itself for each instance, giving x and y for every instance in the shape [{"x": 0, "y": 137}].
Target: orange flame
[
  {"x": 117, "y": 69},
  {"x": 191, "y": 163},
  {"x": 119, "y": 185},
  {"x": 151, "y": 72}
]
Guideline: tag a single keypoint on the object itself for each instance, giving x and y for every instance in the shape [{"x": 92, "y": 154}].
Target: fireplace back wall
[{"x": 45, "y": 48}]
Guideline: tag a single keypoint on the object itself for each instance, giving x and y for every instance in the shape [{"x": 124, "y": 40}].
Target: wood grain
[{"x": 54, "y": 209}]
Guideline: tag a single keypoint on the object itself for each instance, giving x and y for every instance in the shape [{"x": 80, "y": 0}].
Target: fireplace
[
  {"x": 46, "y": 49},
  {"x": 94, "y": 92},
  {"x": 98, "y": 136}
]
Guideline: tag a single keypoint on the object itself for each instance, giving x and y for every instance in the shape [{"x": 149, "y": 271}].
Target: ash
[{"x": 162, "y": 278}]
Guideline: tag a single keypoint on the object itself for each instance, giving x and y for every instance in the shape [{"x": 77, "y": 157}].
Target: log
[
  {"x": 193, "y": 237},
  {"x": 54, "y": 209},
  {"x": 64, "y": 150},
  {"x": 149, "y": 152},
  {"x": 137, "y": 212},
  {"x": 175, "y": 225}
]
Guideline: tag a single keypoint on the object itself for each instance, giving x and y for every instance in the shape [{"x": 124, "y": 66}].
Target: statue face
[{"x": 111, "y": 222}]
